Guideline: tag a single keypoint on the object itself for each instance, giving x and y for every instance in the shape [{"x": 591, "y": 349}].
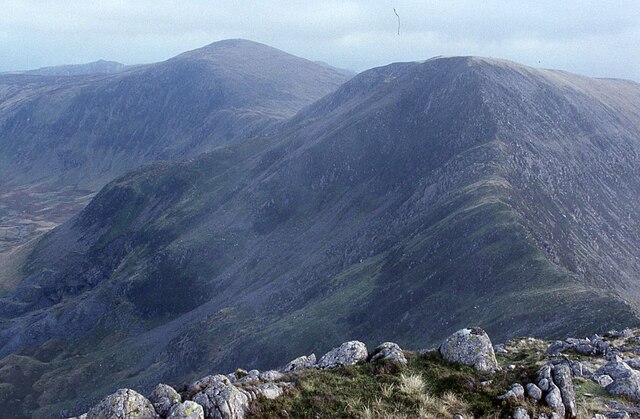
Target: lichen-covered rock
[
  {"x": 267, "y": 390},
  {"x": 186, "y": 410},
  {"x": 389, "y": 351},
  {"x": 626, "y": 380},
  {"x": 554, "y": 400},
  {"x": 270, "y": 376},
  {"x": 534, "y": 392},
  {"x": 300, "y": 363},
  {"x": 220, "y": 399},
  {"x": 470, "y": 347},
  {"x": 163, "y": 397},
  {"x": 349, "y": 353},
  {"x": 123, "y": 404},
  {"x": 564, "y": 381},
  {"x": 249, "y": 377}
]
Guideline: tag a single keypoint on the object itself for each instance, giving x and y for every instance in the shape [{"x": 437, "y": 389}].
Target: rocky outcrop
[
  {"x": 349, "y": 353},
  {"x": 220, "y": 399},
  {"x": 186, "y": 410},
  {"x": 163, "y": 398},
  {"x": 123, "y": 404},
  {"x": 390, "y": 352},
  {"x": 470, "y": 347},
  {"x": 625, "y": 380},
  {"x": 300, "y": 363}
]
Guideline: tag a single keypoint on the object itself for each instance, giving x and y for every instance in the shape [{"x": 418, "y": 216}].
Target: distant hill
[
  {"x": 85, "y": 131},
  {"x": 96, "y": 67},
  {"x": 416, "y": 198}
]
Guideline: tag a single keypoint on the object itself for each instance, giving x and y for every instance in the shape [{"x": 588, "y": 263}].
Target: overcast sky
[{"x": 598, "y": 38}]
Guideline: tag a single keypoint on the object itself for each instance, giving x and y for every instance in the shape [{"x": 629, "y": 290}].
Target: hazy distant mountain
[
  {"x": 96, "y": 67},
  {"x": 85, "y": 131},
  {"x": 417, "y": 198}
]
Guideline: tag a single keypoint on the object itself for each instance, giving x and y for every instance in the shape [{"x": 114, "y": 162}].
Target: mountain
[
  {"x": 63, "y": 138},
  {"x": 96, "y": 67},
  {"x": 84, "y": 131},
  {"x": 414, "y": 199}
]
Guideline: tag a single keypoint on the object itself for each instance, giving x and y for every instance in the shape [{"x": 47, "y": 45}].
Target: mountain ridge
[{"x": 414, "y": 197}]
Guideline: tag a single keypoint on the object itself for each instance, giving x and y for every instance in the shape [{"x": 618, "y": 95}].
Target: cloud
[{"x": 590, "y": 37}]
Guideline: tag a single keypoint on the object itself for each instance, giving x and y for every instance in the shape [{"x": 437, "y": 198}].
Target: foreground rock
[
  {"x": 163, "y": 398},
  {"x": 625, "y": 380},
  {"x": 186, "y": 410},
  {"x": 390, "y": 352},
  {"x": 220, "y": 399},
  {"x": 349, "y": 353},
  {"x": 470, "y": 347},
  {"x": 123, "y": 404},
  {"x": 300, "y": 363}
]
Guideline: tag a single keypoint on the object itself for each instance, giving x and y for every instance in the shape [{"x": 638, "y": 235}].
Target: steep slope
[
  {"x": 62, "y": 138},
  {"x": 87, "y": 130},
  {"x": 416, "y": 198}
]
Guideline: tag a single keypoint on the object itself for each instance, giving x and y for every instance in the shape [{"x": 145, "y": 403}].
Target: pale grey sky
[{"x": 598, "y": 38}]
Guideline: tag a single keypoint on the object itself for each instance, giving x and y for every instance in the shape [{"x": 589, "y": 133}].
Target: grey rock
[
  {"x": 300, "y": 363},
  {"x": 251, "y": 376},
  {"x": 389, "y": 351},
  {"x": 563, "y": 379},
  {"x": 516, "y": 392},
  {"x": 271, "y": 375},
  {"x": 349, "y": 353},
  {"x": 500, "y": 349},
  {"x": 186, "y": 410},
  {"x": 267, "y": 390},
  {"x": 520, "y": 413},
  {"x": 585, "y": 349},
  {"x": 163, "y": 397},
  {"x": 626, "y": 380},
  {"x": 534, "y": 392},
  {"x": 123, "y": 404},
  {"x": 598, "y": 416},
  {"x": 470, "y": 347},
  {"x": 544, "y": 384},
  {"x": 580, "y": 369},
  {"x": 220, "y": 399},
  {"x": 604, "y": 380},
  {"x": 554, "y": 400},
  {"x": 633, "y": 363},
  {"x": 557, "y": 347}
]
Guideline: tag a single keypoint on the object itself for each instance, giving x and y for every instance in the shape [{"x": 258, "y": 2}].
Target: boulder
[
  {"x": 563, "y": 380},
  {"x": 349, "y": 353},
  {"x": 515, "y": 393},
  {"x": 163, "y": 397},
  {"x": 626, "y": 380},
  {"x": 300, "y": 363},
  {"x": 604, "y": 380},
  {"x": 390, "y": 352},
  {"x": 123, "y": 404},
  {"x": 470, "y": 347},
  {"x": 534, "y": 392},
  {"x": 267, "y": 390},
  {"x": 186, "y": 410},
  {"x": 554, "y": 400},
  {"x": 220, "y": 399}
]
